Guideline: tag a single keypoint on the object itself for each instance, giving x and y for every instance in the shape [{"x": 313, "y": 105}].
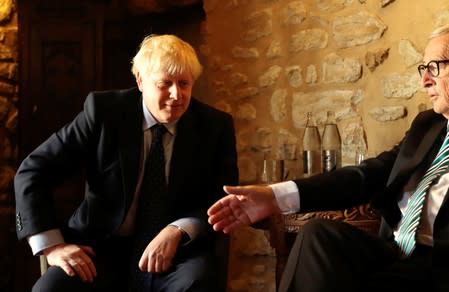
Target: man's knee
[
  {"x": 197, "y": 270},
  {"x": 197, "y": 274},
  {"x": 319, "y": 231},
  {"x": 55, "y": 279},
  {"x": 318, "y": 226}
]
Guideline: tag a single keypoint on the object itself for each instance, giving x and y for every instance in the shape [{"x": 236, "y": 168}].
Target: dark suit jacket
[
  {"x": 381, "y": 180},
  {"x": 105, "y": 140}
]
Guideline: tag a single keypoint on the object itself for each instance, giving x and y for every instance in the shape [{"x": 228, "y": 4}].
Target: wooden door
[{"x": 58, "y": 66}]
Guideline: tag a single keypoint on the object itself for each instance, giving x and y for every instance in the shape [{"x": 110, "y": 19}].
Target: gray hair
[{"x": 444, "y": 29}]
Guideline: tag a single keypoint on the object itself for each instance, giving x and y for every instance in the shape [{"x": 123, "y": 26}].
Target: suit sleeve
[
  {"x": 214, "y": 165},
  {"x": 348, "y": 186},
  {"x": 46, "y": 167},
  {"x": 225, "y": 170}
]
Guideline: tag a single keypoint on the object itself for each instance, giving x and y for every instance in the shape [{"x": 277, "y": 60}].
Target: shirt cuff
[
  {"x": 190, "y": 225},
  {"x": 40, "y": 241},
  {"x": 287, "y": 196}
]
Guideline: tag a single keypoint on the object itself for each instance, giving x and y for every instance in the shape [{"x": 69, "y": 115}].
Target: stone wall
[
  {"x": 271, "y": 61},
  {"x": 8, "y": 134},
  {"x": 268, "y": 62}
]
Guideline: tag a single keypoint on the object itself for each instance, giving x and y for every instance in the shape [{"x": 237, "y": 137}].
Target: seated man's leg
[
  {"x": 422, "y": 271},
  {"x": 197, "y": 273},
  {"x": 55, "y": 279},
  {"x": 110, "y": 277},
  {"x": 112, "y": 265},
  {"x": 440, "y": 274},
  {"x": 333, "y": 256}
]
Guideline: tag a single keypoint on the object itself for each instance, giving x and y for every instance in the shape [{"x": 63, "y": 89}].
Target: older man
[{"x": 408, "y": 185}]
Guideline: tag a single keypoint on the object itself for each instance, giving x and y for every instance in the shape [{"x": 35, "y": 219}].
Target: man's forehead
[
  {"x": 437, "y": 49},
  {"x": 164, "y": 75}
]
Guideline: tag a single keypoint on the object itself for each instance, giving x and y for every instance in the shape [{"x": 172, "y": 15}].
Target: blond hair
[{"x": 168, "y": 53}]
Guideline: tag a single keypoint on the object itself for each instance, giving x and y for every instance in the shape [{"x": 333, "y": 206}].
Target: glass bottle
[
  {"x": 311, "y": 145},
  {"x": 331, "y": 144},
  {"x": 360, "y": 145}
]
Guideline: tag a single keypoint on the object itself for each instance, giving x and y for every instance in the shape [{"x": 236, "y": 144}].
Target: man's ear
[{"x": 139, "y": 81}]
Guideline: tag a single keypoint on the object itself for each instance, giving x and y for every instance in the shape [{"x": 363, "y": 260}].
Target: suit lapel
[
  {"x": 429, "y": 139},
  {"x": 130, "y": 143},
  {"x": 415, "y": 150},
  {"x": 185, "y": 149}
]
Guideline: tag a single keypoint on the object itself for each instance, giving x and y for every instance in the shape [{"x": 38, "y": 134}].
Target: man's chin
[{"x": 172, "y": 117}]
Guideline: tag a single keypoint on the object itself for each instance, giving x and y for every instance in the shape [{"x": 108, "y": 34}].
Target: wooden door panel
[{"x": 61, "y": 73}]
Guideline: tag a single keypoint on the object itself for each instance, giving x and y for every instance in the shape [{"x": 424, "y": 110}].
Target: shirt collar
[{"x": 149, "y": 121}]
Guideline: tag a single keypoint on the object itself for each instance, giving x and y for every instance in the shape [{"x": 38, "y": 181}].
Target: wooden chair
[
  {"x": 283, "y": 228},
  {"x": 43, "y": 264}
]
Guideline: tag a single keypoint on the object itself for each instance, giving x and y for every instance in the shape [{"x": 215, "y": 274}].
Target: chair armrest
[{"x": 43, "y": 264}]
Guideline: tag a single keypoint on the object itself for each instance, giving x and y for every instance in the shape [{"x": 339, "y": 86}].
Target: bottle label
[
  {"x": 331, "y": 160},
  {"x": 311, "y": 162}
]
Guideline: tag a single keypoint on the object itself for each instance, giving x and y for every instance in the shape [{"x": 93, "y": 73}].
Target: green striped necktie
[{"x": 406, "y": 238}]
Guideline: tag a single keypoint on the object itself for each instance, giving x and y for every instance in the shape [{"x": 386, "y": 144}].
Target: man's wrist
[
  {"x": 184, "y": 236},
  {"x": 40, "y": 241},
  {"x": 287, "y": 196}
]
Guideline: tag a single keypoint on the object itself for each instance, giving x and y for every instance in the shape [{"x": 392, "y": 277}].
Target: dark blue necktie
[{"x": 152, "y": 211}]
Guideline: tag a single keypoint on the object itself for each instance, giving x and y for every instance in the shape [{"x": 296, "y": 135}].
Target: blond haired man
[{"x": 101, "y": 248}]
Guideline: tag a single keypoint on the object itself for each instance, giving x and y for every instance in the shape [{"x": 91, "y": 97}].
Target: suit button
[{"x": 19, "y": 225}]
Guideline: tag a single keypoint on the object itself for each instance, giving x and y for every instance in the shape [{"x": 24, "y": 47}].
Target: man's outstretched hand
[{"x": 244, "y": 205}]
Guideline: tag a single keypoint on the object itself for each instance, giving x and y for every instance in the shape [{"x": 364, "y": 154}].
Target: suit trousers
[
  {"x": 335, "y": 256},
  {"x": 112, "y": 259},
  {"x": 196, "y": 272}
]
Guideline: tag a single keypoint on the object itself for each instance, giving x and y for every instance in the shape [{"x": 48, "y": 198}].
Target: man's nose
[
  {"x": 175, "y": 91},
  {"x": 426, "y": 79}
]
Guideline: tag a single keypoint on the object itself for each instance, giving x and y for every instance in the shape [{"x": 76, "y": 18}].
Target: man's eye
[
  {"x": 164, "y": 84},
  {"x": 432, "y": 67},
  {"x": 184, "y": 83}
]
